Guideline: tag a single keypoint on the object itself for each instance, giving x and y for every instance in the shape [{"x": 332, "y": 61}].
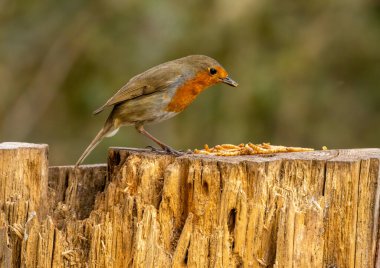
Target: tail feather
[
  {"x": 106, "y": 131},
  {"x": 99, "y": 110}
]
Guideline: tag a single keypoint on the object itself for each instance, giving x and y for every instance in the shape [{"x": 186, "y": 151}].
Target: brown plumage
[{"x": 159, "y": 94}]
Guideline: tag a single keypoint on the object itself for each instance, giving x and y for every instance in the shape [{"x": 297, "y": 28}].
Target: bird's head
[{"x": 208, "y": 70}]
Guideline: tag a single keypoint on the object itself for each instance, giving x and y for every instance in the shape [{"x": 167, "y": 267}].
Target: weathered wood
[
  {"x": 314, "y": 209},
  {"x": 61, "y": 239},
  {"x": 23, "y": 189}
]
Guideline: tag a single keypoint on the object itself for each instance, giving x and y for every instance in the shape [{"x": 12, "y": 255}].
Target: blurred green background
[{"x": 309, "y": 71}]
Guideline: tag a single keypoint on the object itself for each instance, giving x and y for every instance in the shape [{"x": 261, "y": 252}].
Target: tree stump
[{"x": 146, "y": 209}]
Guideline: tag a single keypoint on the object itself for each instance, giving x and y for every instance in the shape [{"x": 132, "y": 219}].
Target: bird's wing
[{"x": 152, "y": 80}]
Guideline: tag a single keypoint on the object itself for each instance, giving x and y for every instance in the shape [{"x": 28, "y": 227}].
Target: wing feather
[{"x": 153, "y": 80}]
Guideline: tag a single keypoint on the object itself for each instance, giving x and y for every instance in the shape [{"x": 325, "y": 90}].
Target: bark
[{"x": 313, "y": 209}]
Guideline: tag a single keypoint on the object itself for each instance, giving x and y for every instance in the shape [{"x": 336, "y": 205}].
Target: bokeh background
[{"x": 309, "y": 71}]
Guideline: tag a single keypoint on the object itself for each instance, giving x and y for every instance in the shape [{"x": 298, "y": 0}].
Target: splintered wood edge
[{"x": 333, "y": 155}]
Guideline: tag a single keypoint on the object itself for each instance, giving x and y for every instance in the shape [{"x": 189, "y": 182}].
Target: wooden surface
[
  {"x": 23, "y": 192},
  {"x": 314, "y": 209}
]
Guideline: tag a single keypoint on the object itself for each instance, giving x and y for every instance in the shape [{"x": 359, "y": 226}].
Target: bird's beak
[{"x": 229, "y": 82}]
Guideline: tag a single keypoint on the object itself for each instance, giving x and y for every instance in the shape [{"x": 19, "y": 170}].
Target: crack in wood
[{"x": 296, "y": 209}]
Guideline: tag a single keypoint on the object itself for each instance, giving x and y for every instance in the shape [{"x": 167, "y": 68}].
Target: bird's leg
[{"x": 166, "y": 148}]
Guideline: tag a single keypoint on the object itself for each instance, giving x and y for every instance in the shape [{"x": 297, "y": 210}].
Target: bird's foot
[
  {"x": 166, "y": 149},
  {"x": 171, "y": 151},
  {"x": 153, "y": 149}
]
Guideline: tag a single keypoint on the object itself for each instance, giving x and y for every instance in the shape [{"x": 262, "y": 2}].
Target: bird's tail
[{"x": 107, "y": 131}]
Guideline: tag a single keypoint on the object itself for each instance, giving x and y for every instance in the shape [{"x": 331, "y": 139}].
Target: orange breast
[{"x": 186, "y": 93}]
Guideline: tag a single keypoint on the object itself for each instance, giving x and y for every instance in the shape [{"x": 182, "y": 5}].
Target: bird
[{"x": 158, "y": 94}]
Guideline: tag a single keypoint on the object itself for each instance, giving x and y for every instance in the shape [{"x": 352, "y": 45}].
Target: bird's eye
[{"x": 213, "y": 71}]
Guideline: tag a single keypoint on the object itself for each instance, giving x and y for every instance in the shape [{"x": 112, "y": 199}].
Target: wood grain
[{"x": 146, "y": 209}]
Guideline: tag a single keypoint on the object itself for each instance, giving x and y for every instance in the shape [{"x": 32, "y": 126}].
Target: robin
[{"x": 159, "y": 94}]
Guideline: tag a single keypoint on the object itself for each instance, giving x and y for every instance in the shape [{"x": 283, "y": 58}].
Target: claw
[
  {"x": 169, "y": 150},
  {"x": 153, "y": 149}
]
